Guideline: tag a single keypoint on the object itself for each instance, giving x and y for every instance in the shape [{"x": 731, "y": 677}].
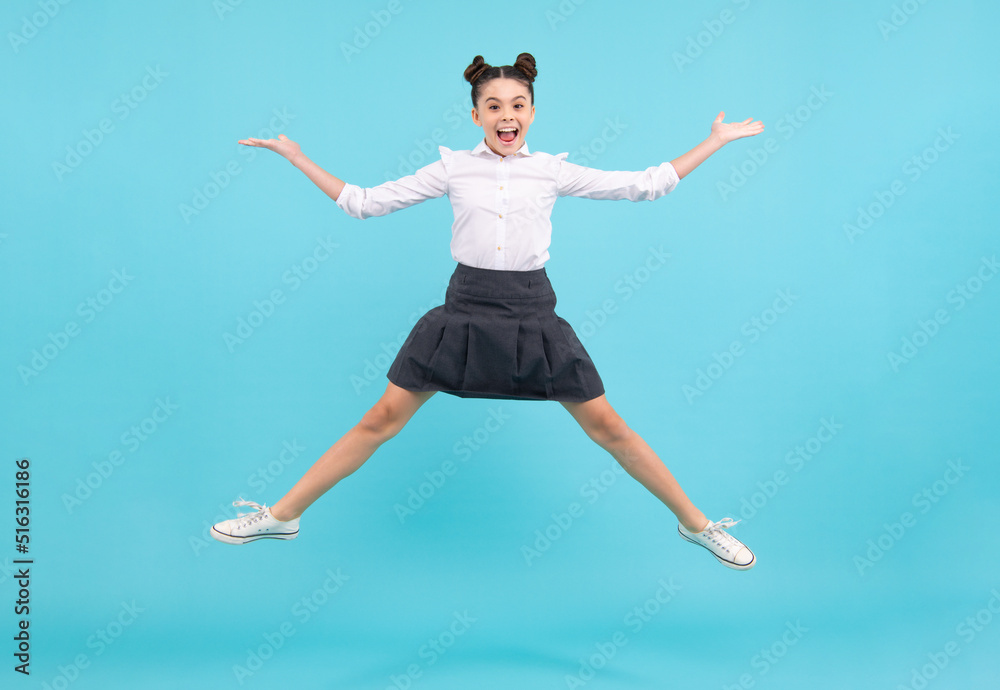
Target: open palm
[
  {"x": 729, "y": 131},
  {"x": 282, "y": 145}
]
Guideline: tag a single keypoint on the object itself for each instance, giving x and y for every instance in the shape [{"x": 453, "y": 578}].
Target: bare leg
[
  {"x": 383, "y": 421},
  {"x": 608, "y": 430}
]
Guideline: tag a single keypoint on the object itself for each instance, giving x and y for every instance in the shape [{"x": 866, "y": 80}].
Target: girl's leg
[
  {"x": 383, "y": 421},
  {"x": 610, "y": 431}
]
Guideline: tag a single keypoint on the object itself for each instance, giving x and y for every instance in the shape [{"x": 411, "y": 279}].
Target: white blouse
[{"x": 502, "y": 204}]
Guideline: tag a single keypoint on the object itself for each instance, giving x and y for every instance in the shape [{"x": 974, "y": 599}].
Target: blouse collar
[{"x": 482, "y": 149}]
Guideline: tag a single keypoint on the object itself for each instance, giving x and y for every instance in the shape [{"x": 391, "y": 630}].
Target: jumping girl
[{"x": 497, "y": 334}]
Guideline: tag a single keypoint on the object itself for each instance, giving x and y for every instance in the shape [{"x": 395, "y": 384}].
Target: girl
[{"x": 497, "y": 334}]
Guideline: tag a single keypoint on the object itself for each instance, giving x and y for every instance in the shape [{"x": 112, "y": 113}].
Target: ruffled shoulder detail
[{"x": 446, "y": 154}]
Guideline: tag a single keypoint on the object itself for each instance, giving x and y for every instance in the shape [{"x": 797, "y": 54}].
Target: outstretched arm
[
  {"x": 722, "y": 134},
  {"x": 331, "y": 186}
]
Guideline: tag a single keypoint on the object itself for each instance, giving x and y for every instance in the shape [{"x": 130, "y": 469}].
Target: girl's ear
[{"x": 475, "y": 118}]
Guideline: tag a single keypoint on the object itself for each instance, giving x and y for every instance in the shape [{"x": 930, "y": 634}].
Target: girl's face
[{"x": 504, "y": 104}]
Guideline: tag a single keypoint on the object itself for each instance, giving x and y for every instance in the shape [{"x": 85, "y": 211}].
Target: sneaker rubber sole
[{"x": 228, "y": 539}]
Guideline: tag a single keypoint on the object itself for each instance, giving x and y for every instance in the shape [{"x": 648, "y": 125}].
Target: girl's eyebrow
[{"x": 494, "y": 98}]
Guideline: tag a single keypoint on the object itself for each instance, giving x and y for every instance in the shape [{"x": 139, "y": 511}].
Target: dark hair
[{"x": 479, "y": 74}]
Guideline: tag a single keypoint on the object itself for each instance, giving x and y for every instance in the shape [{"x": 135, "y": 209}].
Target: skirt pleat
[{"x": 497, "y": 336}]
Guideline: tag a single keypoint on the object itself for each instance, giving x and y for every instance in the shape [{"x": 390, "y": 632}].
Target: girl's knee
[
  {"x": 607, "y": 428},
  {"x": 383, "y": 420}
]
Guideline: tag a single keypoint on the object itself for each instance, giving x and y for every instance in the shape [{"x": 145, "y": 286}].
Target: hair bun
[
  {"x": 522, "y": 71},
  {"x": 476, "y": 69},
  {"x": 525, "y": 62}
]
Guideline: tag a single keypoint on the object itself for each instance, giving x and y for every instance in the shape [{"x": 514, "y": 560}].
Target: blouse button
[
  {"x": 498, "y": 248},
  {"x": 501, "y": 186},
  {"x": 501, "y": 215}
]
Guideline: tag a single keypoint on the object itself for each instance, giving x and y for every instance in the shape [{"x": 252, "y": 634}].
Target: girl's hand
[
  {"x": 282, "y": 145},
  {"x": 726, "y": 132}
]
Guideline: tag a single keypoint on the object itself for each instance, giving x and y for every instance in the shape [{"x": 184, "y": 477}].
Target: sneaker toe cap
[
  {"x": 223, "y": 528},
  {"x": 743, "y": 557}
]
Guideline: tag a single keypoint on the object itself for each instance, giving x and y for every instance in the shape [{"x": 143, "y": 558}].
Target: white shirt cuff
[{"x": 350, "y": 200}]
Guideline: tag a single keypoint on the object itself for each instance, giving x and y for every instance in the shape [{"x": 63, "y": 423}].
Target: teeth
[{"x": 508, "y": 129}]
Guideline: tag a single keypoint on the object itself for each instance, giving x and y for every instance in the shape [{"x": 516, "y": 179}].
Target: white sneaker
[
  {"x": 729, "y": 550},
  {"x": 249, "y": 527}
]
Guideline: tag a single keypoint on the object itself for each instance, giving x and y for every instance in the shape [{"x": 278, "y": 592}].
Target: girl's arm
[
  {"x": 722, "y": 134},
  {"x": 331, "y": 186}
]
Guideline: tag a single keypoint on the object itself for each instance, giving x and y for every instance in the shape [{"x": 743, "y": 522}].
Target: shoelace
[
  {"x": 249, "y": 518},
  {"x": 717, "y": 534}
]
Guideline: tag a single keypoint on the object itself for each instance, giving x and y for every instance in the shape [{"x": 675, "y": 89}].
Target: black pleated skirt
[{"x": 497, "y": 336}]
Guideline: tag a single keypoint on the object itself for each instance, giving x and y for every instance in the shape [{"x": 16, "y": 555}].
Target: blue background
[{"x": 872, "y": 553}]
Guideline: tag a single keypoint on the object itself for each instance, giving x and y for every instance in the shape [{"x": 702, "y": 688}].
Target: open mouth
[{"x": 507, "y": 134}]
